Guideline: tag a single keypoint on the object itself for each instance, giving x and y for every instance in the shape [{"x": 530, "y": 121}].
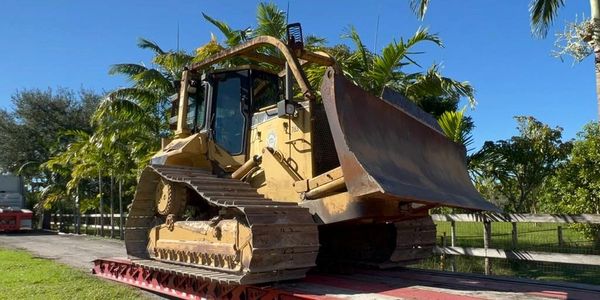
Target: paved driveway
[{"x": 77, "y": 251}]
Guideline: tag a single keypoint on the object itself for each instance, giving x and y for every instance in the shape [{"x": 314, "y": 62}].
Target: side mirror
[
  {"x": 192, "y": 87},
  {"x": 286, "y": 109}
]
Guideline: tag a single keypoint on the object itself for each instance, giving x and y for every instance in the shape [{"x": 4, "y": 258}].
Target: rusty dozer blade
[{"x": 388, "y": 150}]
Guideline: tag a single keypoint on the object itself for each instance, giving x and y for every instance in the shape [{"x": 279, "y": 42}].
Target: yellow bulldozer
[{"x": 260, "y": 186}]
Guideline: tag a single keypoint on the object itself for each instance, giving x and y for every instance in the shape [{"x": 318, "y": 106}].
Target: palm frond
[
  {"x": 145, "y": 98},
  {"x": 459, "y": 89},
  {"x": 314, "y": 43},
  {"x": 148, "y": 44},
  {"x": 205, "y": 51},
  {"x": 454, "y": 127},
  {"x": 433, "y": 84},
  {"x": 77, "y": 153},
  {"x": 152, "y": 79},
  {"x": 125, "y": 130},
  {"x": 173, "y": 63},
  {"x": 233, "y": 37},
  {"x": 422, "y": 34},
  {"x": 361, "y": 50},
  {"x": 52, "y": 194},
  {"x": 419, "y": 7},
  {"x": 482, "y": 160},
  {"x": 383, "y": 69},
  {"x": 314, "y": 75},
  {"x": 386, "y": 64},
  {"x": 128, "y": 70},
  {"x": 118, "y": 106},
  {"x": 271, "y": 20},
  {"x": 543, "y": 13}
]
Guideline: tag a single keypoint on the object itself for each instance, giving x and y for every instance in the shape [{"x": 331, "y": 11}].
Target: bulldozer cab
[
  {"x": 222, "y": 103},
  {"x": 234, "y": 97}
]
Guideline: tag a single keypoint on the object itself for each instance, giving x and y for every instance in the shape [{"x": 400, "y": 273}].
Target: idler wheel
[{"x": 170, "y": 198}]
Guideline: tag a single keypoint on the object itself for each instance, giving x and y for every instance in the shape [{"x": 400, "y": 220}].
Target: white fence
[
  {"x": 450, "y": 247},
  {"x": 96, "y": 223}
]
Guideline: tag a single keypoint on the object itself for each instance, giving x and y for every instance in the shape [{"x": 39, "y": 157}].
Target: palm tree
[
  {"x": 270, "y": 20},
  {"x": 454, "y": 126},
  {"x": 146, "y": 101},
  {"x": 371, "y": 71},
  {"x": 130, "y": 121},
  {"x": 543, "y": 14},
  {"x": 127, "y": 126},
  {"x": 76, "y": 162},
  {"x": 375, "y": 72},
  {"x": 89, "y": 158}
]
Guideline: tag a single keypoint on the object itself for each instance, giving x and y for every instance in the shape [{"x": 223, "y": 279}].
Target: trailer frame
[{"x": 179, "y": 285}]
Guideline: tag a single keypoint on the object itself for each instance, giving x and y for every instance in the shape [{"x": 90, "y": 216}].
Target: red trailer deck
[{"x": 363, "y": 284}]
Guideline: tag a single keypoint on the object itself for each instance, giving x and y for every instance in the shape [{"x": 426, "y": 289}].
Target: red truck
[{"x": 13, "y": 217}]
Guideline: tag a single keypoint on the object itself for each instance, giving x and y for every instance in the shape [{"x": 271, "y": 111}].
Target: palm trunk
[
  {"x": 597, "y": 71},
  {"x": 77, "y": 211},
  {"x": 121, "y": 209},
  {"x": 595, "y": 16},
  {"x": 112, "y": 210},
  {"x": 101, "y": 204}
]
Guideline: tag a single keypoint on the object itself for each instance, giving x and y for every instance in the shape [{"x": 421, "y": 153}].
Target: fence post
[
  {"x": 560, "y": 236},
  {"x": 59, "y": 223},
  {"x": 87, "y": 222},
  {"x": 121, "y": 232},
  {"x": 77, "y": 211},
  {"x": 452, "y": 233},
  {"x": 112, "y": 207},
  {"x": 487, "y": 237},
  {"x": 443, "y": 257},
  {"x": 452, "y": 244},
  {"x": 112, "y": 225},
  {"x": 101, "y": 204},
  {"x": 515, "y": 235}
]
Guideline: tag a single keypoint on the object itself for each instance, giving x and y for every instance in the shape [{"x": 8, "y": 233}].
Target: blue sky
[{"x": 71, "y": 44}]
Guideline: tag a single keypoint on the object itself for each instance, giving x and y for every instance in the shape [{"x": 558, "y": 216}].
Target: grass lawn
[{"x": 28, "y": 277}]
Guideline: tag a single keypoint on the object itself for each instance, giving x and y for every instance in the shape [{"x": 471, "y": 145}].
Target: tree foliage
[
  {"x": 32, "y": 134},
  {"x": 371, "y": 71},
  {"x": 520, "y": 165},
  {"x": 456, "y": 127},
  {"x": 575, "y": 187}
]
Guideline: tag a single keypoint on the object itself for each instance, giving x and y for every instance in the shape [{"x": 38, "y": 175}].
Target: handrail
[{"x": 248, "y": 48}]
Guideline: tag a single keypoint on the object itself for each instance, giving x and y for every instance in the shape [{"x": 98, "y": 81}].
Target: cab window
[
  {"x": 265, "y": 90},
  {"x": 196, "y": 110},
  {"x": 229, "y": 120}
]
